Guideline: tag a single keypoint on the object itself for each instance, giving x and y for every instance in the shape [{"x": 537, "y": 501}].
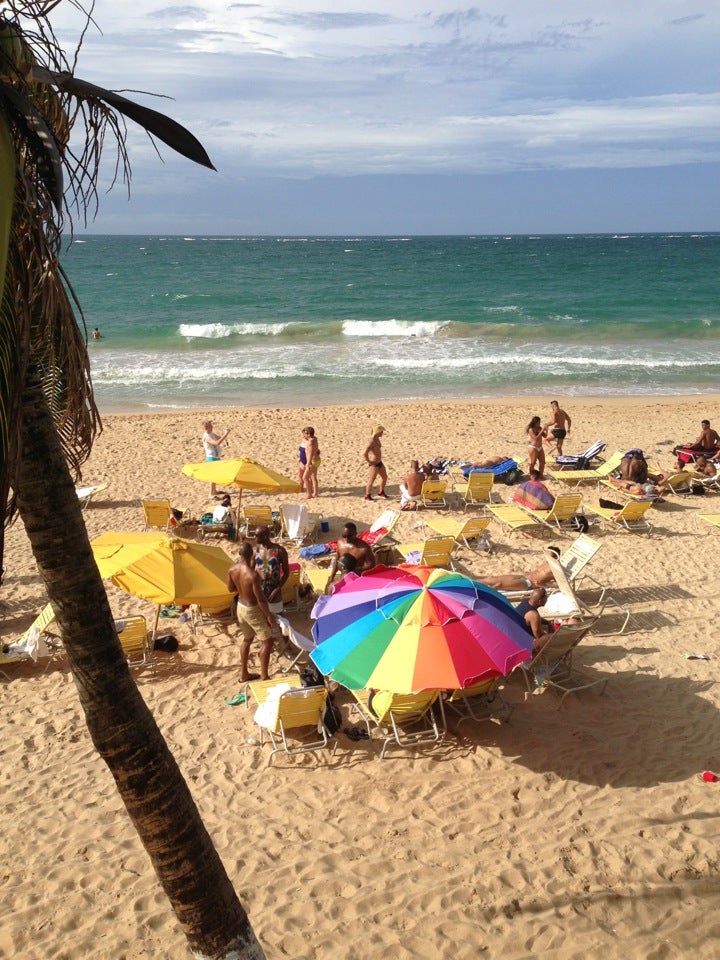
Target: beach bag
[
  {"x": 511, "y": 477},
  {"x": 579, "y": 523}
]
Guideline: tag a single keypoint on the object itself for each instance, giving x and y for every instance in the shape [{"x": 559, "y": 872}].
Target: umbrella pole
[{"x": 155, "y": 625}]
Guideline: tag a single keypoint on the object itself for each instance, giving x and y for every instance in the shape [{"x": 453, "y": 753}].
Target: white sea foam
[
  {"x": 218, "y": 331},
  {"x": 391, "y": 328}
]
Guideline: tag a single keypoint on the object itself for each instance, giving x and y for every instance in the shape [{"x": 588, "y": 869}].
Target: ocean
[{"x": 201, "y": 322}]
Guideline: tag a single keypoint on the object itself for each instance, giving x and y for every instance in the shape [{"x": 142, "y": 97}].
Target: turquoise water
[{"x": 227, "y": 321}]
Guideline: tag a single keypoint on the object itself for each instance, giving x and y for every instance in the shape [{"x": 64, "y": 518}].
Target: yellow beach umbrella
[
  {"x": 164, "y": 569},
  {"x": 242, "y": 472},
  {"x": 114, "y": 550}
]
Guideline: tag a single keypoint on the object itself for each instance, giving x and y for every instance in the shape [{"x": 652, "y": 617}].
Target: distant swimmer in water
[{"x": 96, "y": 335}]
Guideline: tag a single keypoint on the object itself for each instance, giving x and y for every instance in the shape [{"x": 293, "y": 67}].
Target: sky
[{"x": 414, "y": 116}]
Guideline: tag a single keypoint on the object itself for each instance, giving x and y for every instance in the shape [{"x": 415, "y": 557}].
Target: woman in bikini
[
  {"x": 309, "y": 457},
  {"x": 536, "y": 434}
]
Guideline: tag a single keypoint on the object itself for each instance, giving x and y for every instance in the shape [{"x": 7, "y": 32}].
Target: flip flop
[{"x": 236, "y": 700}]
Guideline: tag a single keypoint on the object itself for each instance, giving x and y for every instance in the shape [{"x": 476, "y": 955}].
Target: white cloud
[{"x": 301, "y": 88}]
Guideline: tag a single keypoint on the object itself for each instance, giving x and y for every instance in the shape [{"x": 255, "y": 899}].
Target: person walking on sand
[
  {"x": 309, "y": 461},
  {"x": 536, "y": 434},
  {"x": 373, "y": 457},
  {"x": 559, "y": 426},
  {"x": 253, "y": 613},
  {"x": 211, "y": 442}
]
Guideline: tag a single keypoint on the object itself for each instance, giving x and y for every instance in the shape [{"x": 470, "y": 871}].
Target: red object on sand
[{"x": 710, "y": 777}]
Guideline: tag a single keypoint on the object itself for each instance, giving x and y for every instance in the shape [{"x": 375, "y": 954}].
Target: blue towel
[{"x": 315, "y": 550}]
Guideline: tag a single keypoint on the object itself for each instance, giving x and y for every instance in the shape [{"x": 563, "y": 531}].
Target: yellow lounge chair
[
  {"x": 318, "y": 578},
  {"x": 85, "y": 494},
  {"x": 429, "y": 553},
  {"x": 512, "y": 517},
  {"x": 462, "y": 531},
  {"x": 252, "y": 517},
  {"x": 294, "y": 710},
  {"x": 562, "y": 512},
  {"x": 565, "y": 603},
  {"x": 259, "y": 690},
  {"x": 476, "y": 490},
  {"x": 552, "y": 665},
  {"x": 291, "y": 589},
  {"x": 599, "y": 473},
  {"x": 33, "y": 645},
  {"x": 297, "y": 524},
  {"x": 432, "y": 493},
  {"x": 135, "y": 642},
  {"x": 393, "y": 713},
  {"x": 713, "y": 519},
  {"x": 157, "y": 514},
  {"x": 631, "y": 517},
  {"x": 482, "y": 701},
  {"x": 577, "y": 556}
]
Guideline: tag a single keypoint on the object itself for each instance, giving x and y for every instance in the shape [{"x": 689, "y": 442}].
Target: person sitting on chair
[
  {"x": 353, "y": 554},
  {"x": 540, "y": 629},
  {"x": 411, "y": 486}
]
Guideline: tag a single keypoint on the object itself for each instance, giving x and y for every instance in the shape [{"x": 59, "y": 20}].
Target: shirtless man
[
  {"x": 709, "y": 439},
  {"x": 539, "y": 577},
  {"x": 253, "y": 613},
  {"x": 559, "y": 425},
  {"x": 634, "y": 468},
  {"x": 704, "y": 467},
  {"x": 353, "y": 554},
  {"x": 373, "y": 457},
  {"x": 411, "y": 486}
]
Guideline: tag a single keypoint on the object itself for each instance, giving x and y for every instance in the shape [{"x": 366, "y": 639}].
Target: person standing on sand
[
  {"x": 211, "y": 442},
  {"x": 309, "y": 461},
  {"x": 559, "y": 425},
  {"x": 536, "y": 434},
  {"x": 373, "y": 457},
  {"x": 253, "y": 613}
]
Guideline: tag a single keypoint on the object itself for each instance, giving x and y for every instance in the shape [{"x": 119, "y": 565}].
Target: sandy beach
[{"x": 573, "y": 833}]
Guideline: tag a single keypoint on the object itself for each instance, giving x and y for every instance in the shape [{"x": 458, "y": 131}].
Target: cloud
[{"x": 298, "y": 89}]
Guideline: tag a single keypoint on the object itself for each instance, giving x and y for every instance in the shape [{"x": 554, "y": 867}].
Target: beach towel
[
  {"x": 498, "y": 469},
  {"x": 297, "y": 520},
  {"x": 315, "y": 550}
]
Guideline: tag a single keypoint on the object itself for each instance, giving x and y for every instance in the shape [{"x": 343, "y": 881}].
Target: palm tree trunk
[{"x": 121, "y": 726}]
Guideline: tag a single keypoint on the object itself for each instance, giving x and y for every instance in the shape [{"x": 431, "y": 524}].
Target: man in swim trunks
[
  {"x": 253, "y": 613},
  {"x": 411, "y": 486},
  {"x": 509, "y": 582},
  {"x": 373, "y": 458},
  {"x": 353, "y": 554},
  {"x": 559, "y": 425}
]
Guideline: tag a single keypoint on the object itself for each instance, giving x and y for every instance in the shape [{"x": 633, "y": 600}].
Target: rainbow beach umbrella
[{"x": 411, "y": 628}]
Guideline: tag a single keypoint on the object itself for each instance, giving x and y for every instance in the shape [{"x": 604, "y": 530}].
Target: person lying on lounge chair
[
  {"x": 488, "y": 462},
  {"x": 508, "y": 582},
  {"x": 703, "y": 466}
]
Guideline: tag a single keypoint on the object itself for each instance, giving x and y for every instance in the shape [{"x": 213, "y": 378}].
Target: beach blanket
[{"x": 534, "y": 495}]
